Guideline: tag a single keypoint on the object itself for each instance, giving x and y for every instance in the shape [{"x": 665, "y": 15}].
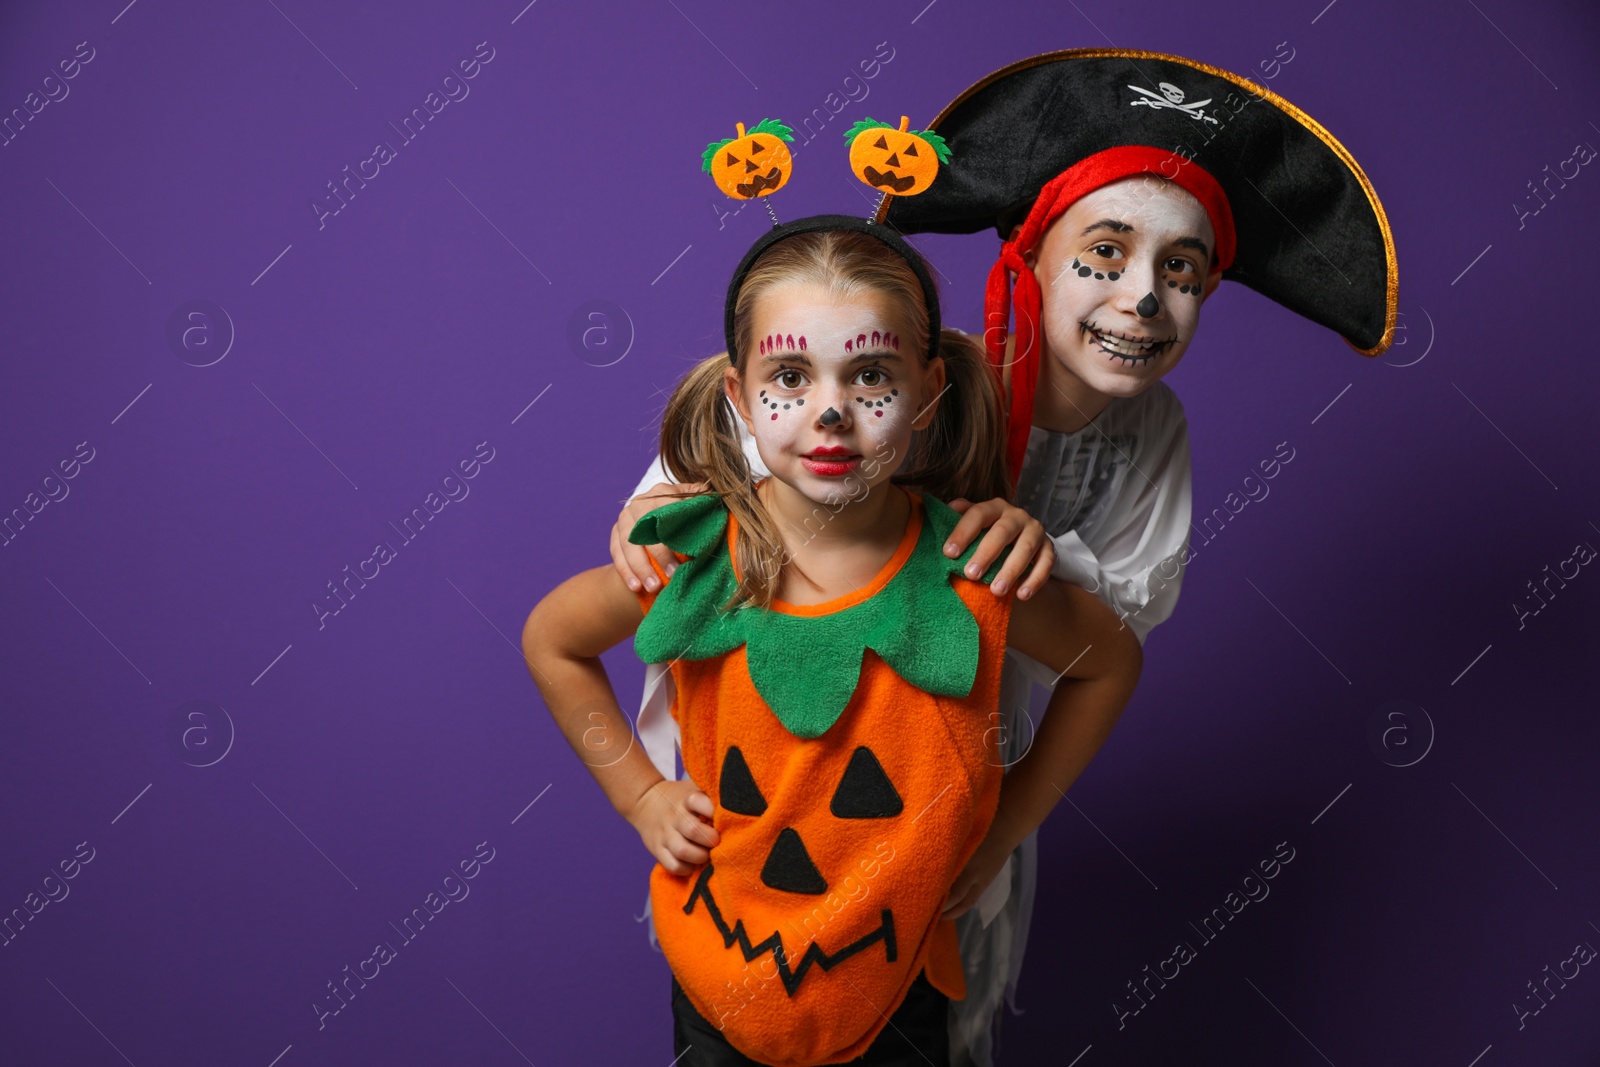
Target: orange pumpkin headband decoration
[
  {"x": 902, "y": 162},
  {"x": 751, "y": 164},
  {"x": 896, "y": 162},
  {"x": 899, "y": 162}
]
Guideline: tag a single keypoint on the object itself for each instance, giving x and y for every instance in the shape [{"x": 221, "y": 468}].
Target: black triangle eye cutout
[
  {"x": 732, "y": 159},
  {"x": 738, "y": 787},
  {"x": 756, "y": 147},
  {"x": 880, "y": 143},
  {"x": 865, "y": 792},
  {"x": 911, "y": 149}
]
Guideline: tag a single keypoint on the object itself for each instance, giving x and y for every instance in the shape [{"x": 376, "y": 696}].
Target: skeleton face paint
[
  {"x": 831, "y": 393},
  {"x": 1123, "y": 272}
]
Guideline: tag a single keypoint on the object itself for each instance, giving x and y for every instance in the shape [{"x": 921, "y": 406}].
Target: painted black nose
[
  {"x": 1149, "y": 307},
  {"x": 789, "y": 866},
  {"x": 830, "y": 417}
]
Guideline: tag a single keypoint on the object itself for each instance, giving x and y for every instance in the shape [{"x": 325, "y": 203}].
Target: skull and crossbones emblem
[{"x": 1171, "y": 97}]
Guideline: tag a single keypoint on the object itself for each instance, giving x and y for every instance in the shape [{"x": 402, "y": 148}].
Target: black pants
[{"x": 916, "y": 1035}]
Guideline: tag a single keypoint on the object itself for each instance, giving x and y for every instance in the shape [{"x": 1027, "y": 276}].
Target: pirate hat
[{"x": 1295, "y": 217}]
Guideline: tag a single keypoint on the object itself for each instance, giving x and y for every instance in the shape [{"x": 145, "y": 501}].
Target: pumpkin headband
[{"x": 898, "y": 162}]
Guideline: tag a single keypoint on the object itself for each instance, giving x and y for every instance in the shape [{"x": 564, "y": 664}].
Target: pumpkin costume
[{"x": 849, "y": 749}]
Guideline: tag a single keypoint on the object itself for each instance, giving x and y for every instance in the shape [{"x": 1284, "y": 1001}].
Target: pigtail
[
  {"x": 961, "y": 453},
  {"x": 700, "y": 443}
]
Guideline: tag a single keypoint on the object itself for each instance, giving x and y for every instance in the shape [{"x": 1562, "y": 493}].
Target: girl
[{"x": 836, "y": 673}]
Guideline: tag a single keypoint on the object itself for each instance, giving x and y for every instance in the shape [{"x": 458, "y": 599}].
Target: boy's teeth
[{"x": 1117, "y": 344}]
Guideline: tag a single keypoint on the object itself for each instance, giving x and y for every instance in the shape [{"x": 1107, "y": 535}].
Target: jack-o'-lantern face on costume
[
  {"x": 751, "y": 164},
  {"x": 902, "y": 162},
  {"x": 850, "y": 760}
]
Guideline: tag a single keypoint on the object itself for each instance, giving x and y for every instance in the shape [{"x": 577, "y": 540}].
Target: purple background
[{"x": 372, "y": 354}]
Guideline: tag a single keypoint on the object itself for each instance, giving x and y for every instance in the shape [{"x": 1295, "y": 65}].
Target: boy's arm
[
  {"x": 632, "y": 561},
  {"x": 1099, "y": 663},
  {"x": 562, "y": 641}
]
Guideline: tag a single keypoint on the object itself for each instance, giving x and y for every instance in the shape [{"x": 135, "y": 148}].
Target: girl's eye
[
  {"x": 790, "y": 379},
  {"x": 871, "y": 377},
  {"x": 1106, "y": 251}
]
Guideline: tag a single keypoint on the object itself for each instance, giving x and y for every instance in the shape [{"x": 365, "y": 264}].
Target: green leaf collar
[{"x": 806, "y": 667}]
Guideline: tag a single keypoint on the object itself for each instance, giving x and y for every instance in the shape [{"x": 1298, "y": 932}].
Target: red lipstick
[{"x": 830, "y": 461}]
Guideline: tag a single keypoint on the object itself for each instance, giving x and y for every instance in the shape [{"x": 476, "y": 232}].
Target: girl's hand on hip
[
  {"x": 1033, "y": 553},
  {"x": 674, "y": 822},
  {"x": 633, "y": 561}
]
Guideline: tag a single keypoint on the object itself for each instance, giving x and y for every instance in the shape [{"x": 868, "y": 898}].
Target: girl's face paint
[
  {"x": 830, "y": 376},
  {"x": 1100, "y": 264}
]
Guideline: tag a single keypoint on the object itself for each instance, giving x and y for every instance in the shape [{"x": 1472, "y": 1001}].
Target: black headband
[{"x": 813, "y": 224}]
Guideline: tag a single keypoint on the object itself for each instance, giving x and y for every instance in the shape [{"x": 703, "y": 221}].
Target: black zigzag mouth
[
  {"x": 888, "y": 179},
  {"x": 1130, "y": 351},
  {"x": 760, "y": 183},
  {"x": 813, "y": 952}
]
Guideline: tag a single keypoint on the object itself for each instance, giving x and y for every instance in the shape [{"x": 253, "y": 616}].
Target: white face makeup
[
  {"x": 1123, "y": 273},
  {"x": 832, "y": 391}
]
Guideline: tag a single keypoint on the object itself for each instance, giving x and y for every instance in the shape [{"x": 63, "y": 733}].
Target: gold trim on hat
[{"x": 1392, "y": 274}]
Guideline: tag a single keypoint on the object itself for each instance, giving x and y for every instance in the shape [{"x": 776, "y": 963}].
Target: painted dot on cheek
[
  {"x": 878, "y": 413},
  {"x": 1113, "y": 275},
  {"x": 1097, "y": 274},
  {"x": 1172, "y": 285},
  {"x": 774, "y": 414},
  {"x": 1084, "y": 272}
]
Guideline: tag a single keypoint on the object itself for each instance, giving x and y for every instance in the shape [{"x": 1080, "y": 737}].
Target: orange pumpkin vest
[{"x": 820, "y": 904}]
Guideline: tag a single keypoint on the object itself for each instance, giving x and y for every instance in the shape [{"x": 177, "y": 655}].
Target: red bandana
[{"x": 1060, "y": 193}]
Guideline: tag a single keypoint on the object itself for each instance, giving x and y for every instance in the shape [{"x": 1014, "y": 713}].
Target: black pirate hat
[
  {"x": 1306, "y": 227},
  {"x": 1312, "y": 234}
]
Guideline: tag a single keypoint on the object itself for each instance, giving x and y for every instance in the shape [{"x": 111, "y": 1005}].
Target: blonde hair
[{"x": 959, "y": 454}]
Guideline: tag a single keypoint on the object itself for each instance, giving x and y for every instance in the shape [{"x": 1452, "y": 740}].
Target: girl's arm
[
  {"x": 1072, "y": 631},
  {"x": 562, "y": 641}
]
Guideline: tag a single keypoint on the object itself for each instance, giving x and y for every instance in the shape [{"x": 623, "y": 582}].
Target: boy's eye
[
  {"x": 1106, "y": 251},
  {"x": 790, "y": 379},
  {"x": 1179, "y": 266}
]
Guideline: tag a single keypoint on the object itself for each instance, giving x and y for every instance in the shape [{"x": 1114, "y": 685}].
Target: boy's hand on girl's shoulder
[
  {"x": 673, "y": 819},
  {"x": 1033, "y": 554},
  {"x": 633, "y": 561}
]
